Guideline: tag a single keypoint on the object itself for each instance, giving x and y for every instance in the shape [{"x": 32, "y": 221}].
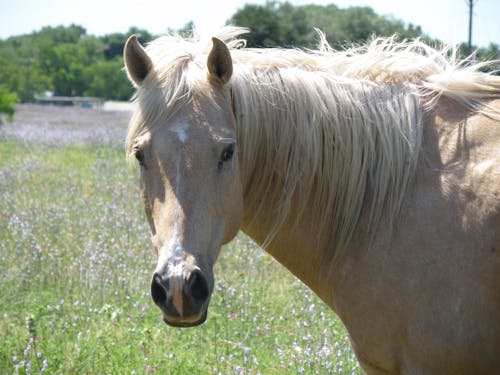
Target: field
[{"x": 76, "y": 264}]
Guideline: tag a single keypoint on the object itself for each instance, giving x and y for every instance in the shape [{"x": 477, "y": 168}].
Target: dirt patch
[{"x": 55, "y": 125}]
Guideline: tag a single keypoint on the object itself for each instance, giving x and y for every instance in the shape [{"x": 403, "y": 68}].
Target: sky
[{"x": 443, "y": 19}]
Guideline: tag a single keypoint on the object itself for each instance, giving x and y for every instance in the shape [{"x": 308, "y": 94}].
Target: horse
[{"x": 371, "y": 173}]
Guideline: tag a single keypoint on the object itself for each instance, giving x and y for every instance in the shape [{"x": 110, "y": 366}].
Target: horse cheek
[{"x": 233, "y": 211}]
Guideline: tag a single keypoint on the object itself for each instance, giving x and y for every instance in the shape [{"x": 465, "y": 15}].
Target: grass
[{"x": 75, "y": 270}]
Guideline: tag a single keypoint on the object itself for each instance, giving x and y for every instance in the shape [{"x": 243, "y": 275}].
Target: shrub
[{"x": 7, "y": 101}]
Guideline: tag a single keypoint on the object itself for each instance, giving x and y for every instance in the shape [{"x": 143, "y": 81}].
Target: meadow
[{"x": 76, "y": 263}]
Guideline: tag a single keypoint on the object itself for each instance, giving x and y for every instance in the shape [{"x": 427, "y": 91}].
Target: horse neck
[
  {"x": 310, "y": 159},
  {"x": 268, "y": 170}
]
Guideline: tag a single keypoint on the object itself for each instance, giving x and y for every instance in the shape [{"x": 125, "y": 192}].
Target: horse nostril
[
  {"x": 158, "y": 292},
  {"x": 197, "y": 287}
]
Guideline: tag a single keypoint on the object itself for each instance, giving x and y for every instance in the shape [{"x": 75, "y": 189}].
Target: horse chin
[{"x": 185, "y": 323}]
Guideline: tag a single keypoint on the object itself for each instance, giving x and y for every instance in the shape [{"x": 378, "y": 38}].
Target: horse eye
[
  {"x": 226, "y": 155},
  {"x": 139, "y": 155}
]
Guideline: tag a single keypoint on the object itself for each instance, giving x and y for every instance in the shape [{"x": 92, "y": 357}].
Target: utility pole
[{"x": 469, "y": 45}]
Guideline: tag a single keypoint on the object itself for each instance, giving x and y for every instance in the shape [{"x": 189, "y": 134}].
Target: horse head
[{"x": 189, "y": 174}]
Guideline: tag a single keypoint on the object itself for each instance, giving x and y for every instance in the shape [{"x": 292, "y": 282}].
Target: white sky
[{"x": 443, "y": 19}]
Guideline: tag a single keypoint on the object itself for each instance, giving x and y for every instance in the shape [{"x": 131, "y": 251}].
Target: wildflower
[
  {"x": 296, "y": 347},
  {"x": 255, "y": 360},
  {"x": 45, "y": 364},
  {"x": 245, "y": 349},
  {"x": 28, "y": 348}
]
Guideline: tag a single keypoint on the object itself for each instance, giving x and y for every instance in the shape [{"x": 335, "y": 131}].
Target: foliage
[
  {"x": 281, "y": 24},
  {"x": 69, "y": 62},
  {"x": 492, "y": 52},
  {"x": 7, "y": 101}
]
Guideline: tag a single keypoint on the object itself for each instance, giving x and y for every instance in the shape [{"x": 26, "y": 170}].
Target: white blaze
[
  {"x": 180, "y": 128},
  {"x": 172, "y": 254}
]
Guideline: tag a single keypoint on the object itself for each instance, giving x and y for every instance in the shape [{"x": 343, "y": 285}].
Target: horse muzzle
[{"x": 182, "y": 296}]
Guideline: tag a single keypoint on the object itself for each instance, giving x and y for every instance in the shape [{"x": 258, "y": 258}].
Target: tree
[
  {"x": 113, "y": 44},
  {"x": 106, "y": 79},
  {"x": 264, "y": 23},
  {"x": 67, "y": 61},
  {"x": 7, "y": 101},
  {"x": 282, "y": 24},
  {"x": 490, "y": 53},
  {"x": 62, "y": 34}
]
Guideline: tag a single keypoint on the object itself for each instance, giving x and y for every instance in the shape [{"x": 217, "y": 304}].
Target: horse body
[
  {"x": 421, "y": 298},
  {"x": 391, "y": 215}
]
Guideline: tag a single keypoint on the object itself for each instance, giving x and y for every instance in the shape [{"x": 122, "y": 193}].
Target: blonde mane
[{"x": 326, "y": 130}]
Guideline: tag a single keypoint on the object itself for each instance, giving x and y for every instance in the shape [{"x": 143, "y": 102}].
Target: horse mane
[{"x": 331, "y": 131}]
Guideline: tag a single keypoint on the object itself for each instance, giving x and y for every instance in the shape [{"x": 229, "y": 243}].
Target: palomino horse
[{"x": 372, "y": 174}]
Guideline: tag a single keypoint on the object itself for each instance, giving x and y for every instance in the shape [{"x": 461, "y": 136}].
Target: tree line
[
  {"x": 66, "y": 61},
  {"x": 69, "y": 62}
]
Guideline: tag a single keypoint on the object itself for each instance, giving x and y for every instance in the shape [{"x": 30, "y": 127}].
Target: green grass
[{"x": 75, "y": 270}]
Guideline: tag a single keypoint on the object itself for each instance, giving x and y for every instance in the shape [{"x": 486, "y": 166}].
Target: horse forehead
[
  {"x": 196, "y": 125},
  {"x": 176, "y": 133},
  {"x": 182, "y": 141},
  {"x": 198, "y": 129},
  {"x": 180, "y": 128}
]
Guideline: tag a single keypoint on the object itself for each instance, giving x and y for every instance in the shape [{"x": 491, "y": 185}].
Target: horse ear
[
  {"x": 137, "y": 62},
  {"x": 219, "y": 63}
]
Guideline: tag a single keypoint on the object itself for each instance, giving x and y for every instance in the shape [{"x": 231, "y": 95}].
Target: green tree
[
  {"x": 21, "y": 70},
  {"x": 35, "y": 63},
  {"x": 7, "y": 101},
  {"x": 264, "y": 23},
  {"x": 106, "y": 79},
  {"x": 62, "y": 34},
  {"x": 294, "y": 28},
  {"x": 114, "y": 43},
  {"x": 69, "y": 62},
  {"x": 282, "y": 24}
]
